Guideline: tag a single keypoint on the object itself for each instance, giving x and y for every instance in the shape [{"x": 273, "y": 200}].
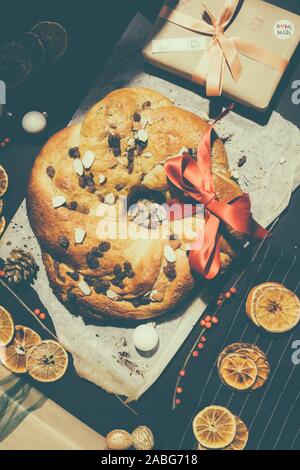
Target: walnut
[
  {"x": 118, "y": 440},
  {"x": 142, "y": 438}
]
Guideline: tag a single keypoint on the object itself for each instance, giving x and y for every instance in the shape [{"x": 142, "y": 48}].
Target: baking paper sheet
[{"x": 104, "y": 354}]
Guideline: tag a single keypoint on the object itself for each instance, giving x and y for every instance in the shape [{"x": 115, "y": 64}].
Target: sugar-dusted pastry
[{"x": 119, "y": 149}]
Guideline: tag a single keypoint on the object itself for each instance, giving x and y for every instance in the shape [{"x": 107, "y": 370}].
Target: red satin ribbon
[{"x": 194, "y": 178}]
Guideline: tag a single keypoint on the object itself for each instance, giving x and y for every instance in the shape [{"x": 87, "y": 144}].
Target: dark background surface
[{"x": 93, "y": 28}]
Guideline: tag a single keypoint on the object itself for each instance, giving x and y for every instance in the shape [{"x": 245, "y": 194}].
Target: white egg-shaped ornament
[
  {"x": 34, "y": 122},
  {"x": 145, "y": 338}
]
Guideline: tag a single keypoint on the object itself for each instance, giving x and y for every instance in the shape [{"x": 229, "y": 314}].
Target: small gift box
[
  {"x": 30, "y": 421},
  {"x": 238, "y": 48}
]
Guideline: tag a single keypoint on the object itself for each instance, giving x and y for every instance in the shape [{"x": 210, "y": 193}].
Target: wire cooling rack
[{"x": 272, "y": 414}]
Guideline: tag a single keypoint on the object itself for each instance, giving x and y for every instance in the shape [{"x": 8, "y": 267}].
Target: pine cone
[{"x": 20, "y": 267}]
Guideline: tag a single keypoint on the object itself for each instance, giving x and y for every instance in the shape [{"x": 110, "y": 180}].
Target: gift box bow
[
  {"x": 223, "y": 50},
  {"x": 194, "y": 179}
]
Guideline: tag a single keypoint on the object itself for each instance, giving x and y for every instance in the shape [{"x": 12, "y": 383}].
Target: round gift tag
[{"x": 284, "y": 29}]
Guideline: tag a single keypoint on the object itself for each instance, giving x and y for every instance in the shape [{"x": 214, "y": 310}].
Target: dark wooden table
[{"x": 94, "y": 27}]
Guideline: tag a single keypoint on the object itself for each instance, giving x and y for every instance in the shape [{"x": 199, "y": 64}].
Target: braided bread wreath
[{"x": 123, "y": 141}]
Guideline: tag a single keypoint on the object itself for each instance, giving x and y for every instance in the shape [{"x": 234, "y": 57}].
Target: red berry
[
  {"x": 233, "y": 290},
  {"x": 182, "y": 373},
  {"x": 215, "y": 320},
  {"x": 42, "y": 316},
  {"x": 220, "y": 302},
  {"x": 195, "y": 354},
  {"x": 179, "y": 390},
  {"x": 228, "y": 295},
  {"x": 177, "y": 401},
  {"x": 203, "y": 323},
  {"x": 207, "y": 318},
  {"x": 7, "y": 140},
  {"x": 37, "y": 311},
  {"x": 208, "y": 325},
  {"x": 200, "y": 346},
  {"x": 2, "y": 273},
  {"x": 203, "y": 339}
]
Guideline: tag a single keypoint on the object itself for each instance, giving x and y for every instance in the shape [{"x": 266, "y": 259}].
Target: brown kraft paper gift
[
  {"x": 261, "y": 24},
  {"x": 30, "y": 421}
]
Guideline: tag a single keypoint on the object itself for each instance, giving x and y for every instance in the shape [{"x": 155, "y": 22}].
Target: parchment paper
[{"x": 105, "y": 354}]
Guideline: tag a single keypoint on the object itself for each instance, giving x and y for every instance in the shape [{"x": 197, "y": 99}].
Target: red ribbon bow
[{"x": 194, "y": 178}]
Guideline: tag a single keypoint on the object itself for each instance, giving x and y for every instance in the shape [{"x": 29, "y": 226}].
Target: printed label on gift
[
  {"x": 284, "y": 29},
  {"x": 178, "y": 44}
]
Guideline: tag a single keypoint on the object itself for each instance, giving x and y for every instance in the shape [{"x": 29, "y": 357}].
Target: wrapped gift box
[
  {"x": 30, "y": 421},
  {"x": 254, "y": 25}
]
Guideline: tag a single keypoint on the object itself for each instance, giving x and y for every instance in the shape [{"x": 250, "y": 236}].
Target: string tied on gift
[
  {"x": 218, "y": 31},
  {"x": 223, "y": 50},
  {"x": 194, "y": 179}
]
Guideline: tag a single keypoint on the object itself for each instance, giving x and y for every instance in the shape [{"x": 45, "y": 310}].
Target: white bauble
[
  {"x": 145, "y": 337},
  {"x": 34, "y": 122}
]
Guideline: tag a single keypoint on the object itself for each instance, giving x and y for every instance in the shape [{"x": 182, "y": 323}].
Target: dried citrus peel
[
  {"x": 273, "y": 307},
  {"x": 47, "y": 361},
  {"x": 214, "y": 427},
  {"x": 6, "y": 327},
  {"x": 13, "y": 356}
]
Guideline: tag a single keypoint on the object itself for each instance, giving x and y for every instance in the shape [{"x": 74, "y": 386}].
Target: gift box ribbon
[
  {"x": 194, "y": 179},
  {"x": 222, "y": 50}
]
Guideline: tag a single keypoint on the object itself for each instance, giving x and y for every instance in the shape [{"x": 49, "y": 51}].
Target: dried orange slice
[
  {"x": 47, "y": 361},
  {"x": 240, "y": 440},
  {"x": 252, "y": 300},
  {"x": 13, "y": 355},
  {"x": 238, "y": 371},
  {"x": 214, "y": 427},
  {"x": 54, "y": 38},
  {"x": 241, "y": 437},
  {"x": 15, "y": 65},
  {"x": 2, "y": 225},
  {"x": 232, "y": 348},
  {"x": 34, "y": 48},
  {"x": 3, "y": 181},
  {"x": 273, "y": 307},
  {"x": 254, "y": 353},
  {"x": 263, "y": 367},
  {"x": 6, "y": 327}
]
